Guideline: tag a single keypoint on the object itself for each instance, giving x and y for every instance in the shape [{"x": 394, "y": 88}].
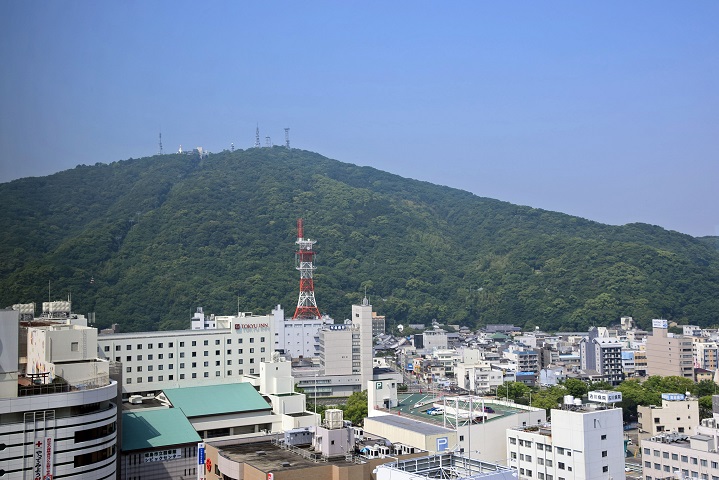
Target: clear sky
[{"x": 606, "y": 110}]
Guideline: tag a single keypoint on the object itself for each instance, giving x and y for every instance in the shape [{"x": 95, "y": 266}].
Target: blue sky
[{"x": 605, "y": 110}]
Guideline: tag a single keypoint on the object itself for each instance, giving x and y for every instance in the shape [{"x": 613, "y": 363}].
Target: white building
[
  {"x": 582, "y": 443},
  {"x": 154, "y": 361},
  {"x": 444, "y": 465},
  {"x": 50, "y": 426}
]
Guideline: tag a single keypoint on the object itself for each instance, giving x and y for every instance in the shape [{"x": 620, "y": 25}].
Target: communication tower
[
  {"x": 160, "y": 143},
  {"x": 257, "y": 136},
  {"x": 268, "y": 142},
  {"x": 287, "y": 138},
  {"x": 304, "y": 262}
]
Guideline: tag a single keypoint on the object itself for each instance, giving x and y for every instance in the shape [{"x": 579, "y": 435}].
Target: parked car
[{"x": 488, "y": 410}]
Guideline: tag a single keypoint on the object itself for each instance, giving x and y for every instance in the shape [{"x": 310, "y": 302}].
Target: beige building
[
  {"x": 705, "y": 352},
  {"x": 676, "y": 414},
  {"x": 676, "y": 455},
  {"x": 669, "y": 354}
]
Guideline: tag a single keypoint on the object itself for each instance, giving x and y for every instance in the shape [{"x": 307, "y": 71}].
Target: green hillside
[{"x": 161, "y": 236}]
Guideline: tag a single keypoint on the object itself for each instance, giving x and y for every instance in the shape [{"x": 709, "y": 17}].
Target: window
[
  {"x": 604, "y": 437},
  {"x": 170, "y": 366},
  {"x": 241, "y": 361},
  {"x": 182, "y": 376},
  {"x": 217, "y": 373},
  {"x": 149, "y": 379},
  {"x": 461, "y": 438},
  {"x": 252, "y": 340},
  {"x": 262, "y": 339},
  {"x": 540, "y": 446},
  {"x": 675, "y": 456},
  {"x": 665, "y": 454},
  {"x": 229, "y": 362},
  {"x": 239, "y": 340},
  {"x": 159, "y": 379},
  {"x": 205, "y": 343},
  {"x": 229, "y": 372},
  {"x": 560, "y": 450},
  {"x": 648, "y": 464},
  {"x": 117, "y": 359},
  {"x": 107, "y": 348},
  {"x": 139, "y": 379},
  {"x": 262, "y": 349},
  {"x": 149, "y": 368},
  {"x": 182, "y": 354},
  {"x": 217, "y": 363},
  {"x": 239, "y": 351},
  {"x": 217, "y": 352},
  {"x": 171, "y": 344},
  {"x": 139, "y": 358},
  {"x": 182, "y": 365},
  {"x": 252, "y": 370},
  {"x": 117, "y": 348},
  {"x": 139, "y": 369},
  {"x": 159, "y": 345},
  {"x": 194, "y": 354},
  {"x": 194, "y": 343},
  {"x": 159, "y": 356},
  {"x": 149, "y": 357},
  {"x": 139, "y": 346},
  {"x": 129, "y": 358},
  {"x": 170, "y": 355},
  {"x": 560, "y": 465},
  {"x": 129, "y": 347},
  {"x": 207, "y": 364},
  {"x": 149, "y": 346},
  {"x": 182, "y": 344},
  {"x": 513, "y": 441},
  {"x": 240, "y": 371},
  {"x": 513, "y": 455},
  {"x": 604, "y": 453},
  {"x": 207, "y": 374},
  {"x": 128, "y": 369},
  {"x": 252, "y": 360},
  {"x": 252, "y": 350},
  {"x": 229, "y": 352},
  {"x": 685, "y": 458},
  {"x": 207, "y": 354},
  {"x": 159, "y": 367},
  {"x": 194, "y": 375},
  {"x": 694, "y": 461},
  {"x": 605, "y": 469},
  {"x": 229, "y": 341},
  {"x": 647, "y": 451}
]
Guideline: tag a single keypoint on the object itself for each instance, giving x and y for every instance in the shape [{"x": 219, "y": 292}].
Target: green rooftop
[
  {"x": 216, "y": 399},
  {"x": 152, "y": 428}
]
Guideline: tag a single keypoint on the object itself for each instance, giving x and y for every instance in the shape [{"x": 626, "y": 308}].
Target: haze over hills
[{"x": 143, "y": 242}]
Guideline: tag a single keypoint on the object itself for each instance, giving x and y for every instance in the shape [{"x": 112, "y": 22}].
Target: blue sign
[
  {"x": 410, "y": 366},
  {"x": 442, "y": 444},
  {"x": 200, "y": 453}
]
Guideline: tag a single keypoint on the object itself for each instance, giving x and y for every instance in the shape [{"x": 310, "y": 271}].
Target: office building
[
  {"x": 58, "y": 411},
  {"x": 583, "y": 442},
  {"x": 677, "y": 413}
]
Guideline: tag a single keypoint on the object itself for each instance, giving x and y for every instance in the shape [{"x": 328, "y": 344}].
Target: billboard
[{"x": 659, "y": 323}]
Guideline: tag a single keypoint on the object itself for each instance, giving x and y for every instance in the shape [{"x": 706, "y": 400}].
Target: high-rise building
[
  {"x": 602, "y": 355},
  {"x": 668, "y": 354}
]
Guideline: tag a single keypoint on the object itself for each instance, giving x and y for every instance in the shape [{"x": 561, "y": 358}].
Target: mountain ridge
[{"x": 162, "y": 235}]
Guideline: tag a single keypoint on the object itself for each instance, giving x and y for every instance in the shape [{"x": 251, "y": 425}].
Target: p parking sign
[{"x": 442, "y": 444}]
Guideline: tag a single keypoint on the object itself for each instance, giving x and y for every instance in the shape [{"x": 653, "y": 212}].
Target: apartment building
[
  {"x": 601, "y": 354},
  {"x": 668, "y": 354}
]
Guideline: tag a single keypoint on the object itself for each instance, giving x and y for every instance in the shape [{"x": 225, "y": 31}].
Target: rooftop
[
  {"x": 411, "y": 424},
  {"x": 153, "y": 428},
  {"x": 216, "y": 399},
  {"x": 451, "y": 466},
  {"x": 267, "y": 456}
]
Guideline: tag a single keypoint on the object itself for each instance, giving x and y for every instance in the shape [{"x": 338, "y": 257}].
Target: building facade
[
  {"x": 668, "y": 354},
  {"x": 154, "y": 361}
]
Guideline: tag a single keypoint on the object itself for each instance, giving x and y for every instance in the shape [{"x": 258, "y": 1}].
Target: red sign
[
  {"x": 208, "y": 465},
  {"x": 251, "y": 325}
]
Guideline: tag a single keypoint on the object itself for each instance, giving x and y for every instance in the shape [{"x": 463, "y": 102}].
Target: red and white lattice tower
[{"x": 304, "y": 262}]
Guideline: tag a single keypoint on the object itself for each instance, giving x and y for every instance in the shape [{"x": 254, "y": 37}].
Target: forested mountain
[{"x": 143, "y": 242}]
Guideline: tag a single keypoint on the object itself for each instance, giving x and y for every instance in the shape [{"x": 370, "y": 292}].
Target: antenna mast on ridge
[
  {"x": 160, "y": 143},
  {"x": 287, "y": 138},
  {"x": 257, "y": 136}
]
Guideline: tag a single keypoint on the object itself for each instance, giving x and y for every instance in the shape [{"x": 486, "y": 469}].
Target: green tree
[
  {"x": 356, "y": 407},
  {"x": 513, "y": 390},
  {"x": 576, "y": 388}
]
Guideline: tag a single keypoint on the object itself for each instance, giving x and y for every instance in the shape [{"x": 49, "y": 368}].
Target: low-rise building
[{"x": 677, "y": 413}]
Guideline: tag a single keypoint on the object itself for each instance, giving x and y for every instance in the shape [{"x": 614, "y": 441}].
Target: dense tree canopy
[{"x": 144, "y": 242}]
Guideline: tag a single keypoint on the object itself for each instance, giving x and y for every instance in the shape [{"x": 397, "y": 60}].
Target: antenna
[
  {"x": 304, "y": 259},
  {"x": 257, "y": 136},
  {"x": 160, "y": 143},
  {"x": 232, "y": 147},
  {"x": 287, "y": 138},
  {"x": 268, "y": 142}
]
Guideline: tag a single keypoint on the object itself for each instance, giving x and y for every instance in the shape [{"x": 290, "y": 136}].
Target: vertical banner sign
[
  {"x": 43, "y": 459},
  {"x": 48, "y": 463},
  {"x": 201, "y": 473}
]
